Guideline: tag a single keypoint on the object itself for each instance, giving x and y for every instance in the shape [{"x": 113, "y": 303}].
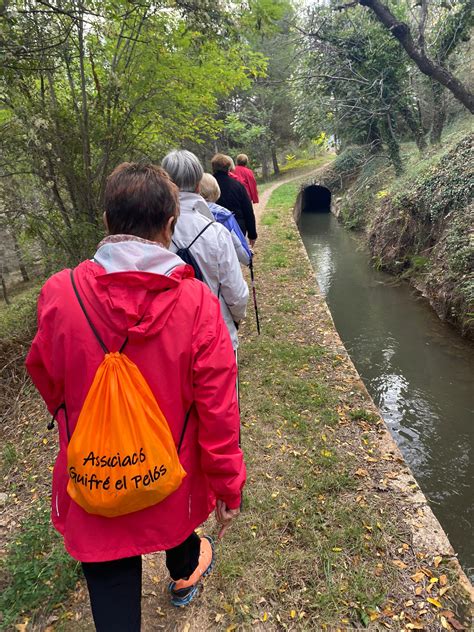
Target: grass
[
  {"x": 295, "y": 167},
  {"x": 37, "y": 572},
  {"x": 305, "y": 552},
  {"x": 318, "y": 546},
  {"x": 18, "y": 318}
]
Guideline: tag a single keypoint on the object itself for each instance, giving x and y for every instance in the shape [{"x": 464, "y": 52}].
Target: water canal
[{"x": 418, "y": 370}]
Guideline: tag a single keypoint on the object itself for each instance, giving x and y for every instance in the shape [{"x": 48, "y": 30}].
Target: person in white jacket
[{"x": 213, "y": 250}]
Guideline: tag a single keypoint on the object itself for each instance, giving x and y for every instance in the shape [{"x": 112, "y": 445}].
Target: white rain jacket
[{"x": 216, "y": 257}]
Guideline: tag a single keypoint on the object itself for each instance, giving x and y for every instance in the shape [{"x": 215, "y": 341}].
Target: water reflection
[{"x": 419, "y": 371}]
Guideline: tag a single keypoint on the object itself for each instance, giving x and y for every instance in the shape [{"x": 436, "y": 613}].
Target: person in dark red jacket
[
  {"x": 245, "y": 175},
  {"x": 234, "y": 196},
  {"x": 134, "y": 286}
]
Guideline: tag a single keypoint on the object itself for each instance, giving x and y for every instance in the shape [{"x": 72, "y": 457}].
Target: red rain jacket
[
  {"x": 246, "y": 177},
  {"x": 183, "y": 349}
]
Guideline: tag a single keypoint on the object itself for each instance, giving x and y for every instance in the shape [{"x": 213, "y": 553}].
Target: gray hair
[
  {"x": 184, "y": 169},
  {"x": 210, "y": 189}
]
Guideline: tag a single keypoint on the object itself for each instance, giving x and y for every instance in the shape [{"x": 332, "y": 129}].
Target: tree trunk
[
  {"x": 414, "y": 127},
  {"x": 393, "y": 145},
  {"x": 402, "y": 32},
  {"x": 4, "y": 289},
  {"x": 439, "y": 112},
  {"x": 19, "y": 256},
  {"x": 276, "y": 168},
  {"x": 265, "y": 169}
]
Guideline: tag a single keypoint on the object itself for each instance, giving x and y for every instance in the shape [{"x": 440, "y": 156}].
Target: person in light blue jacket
[{"x": 210, "y": 191}]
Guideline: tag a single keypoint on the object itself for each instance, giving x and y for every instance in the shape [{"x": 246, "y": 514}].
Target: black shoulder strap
[
  {"x": 91, "y": 324},
  {"x": 195, "y": 239},
  {"x": 186, "y": 419}
]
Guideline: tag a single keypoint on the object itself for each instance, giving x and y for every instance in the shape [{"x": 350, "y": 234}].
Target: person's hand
[
  {"x": 224, "y": 517},
  {"x": 252, "y": 242}
]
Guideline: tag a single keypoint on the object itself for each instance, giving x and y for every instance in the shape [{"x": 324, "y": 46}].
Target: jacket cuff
[{"x": 233, "y": 501}]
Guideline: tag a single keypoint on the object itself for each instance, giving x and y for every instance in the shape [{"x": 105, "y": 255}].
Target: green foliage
[
  {"x": 37, "y": 570},
  {"x": 350, "y": 160},
  {"x": 18, "y": 320},
  {"x": 92, "y": 84}
]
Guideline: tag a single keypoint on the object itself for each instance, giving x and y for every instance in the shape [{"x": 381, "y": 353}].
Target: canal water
[{"x": 418, "y": 370}]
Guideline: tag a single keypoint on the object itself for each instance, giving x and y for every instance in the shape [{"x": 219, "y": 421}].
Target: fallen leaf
[
  {"x": 417, "y": 577},
  {"x": 437, "y": 560},
  {"x": 399, "y": 564},
  {"x": 442, "y": 591},
  {"x": 455, "y": 624},
  {"x": 443, "y": 580},
  {"x": 361, "y": 472},
  {"x": 293, "y": 614},
  {"x": 434, "y": 602}
]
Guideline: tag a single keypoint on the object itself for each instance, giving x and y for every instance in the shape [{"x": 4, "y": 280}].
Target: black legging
[{"x": 115, "y": 588}]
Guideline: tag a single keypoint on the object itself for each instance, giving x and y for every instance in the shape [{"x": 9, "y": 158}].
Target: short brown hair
[
  {"x": 221, "y": 162},
  {"x": 139, "y": 200},
  {"x": 242, "y": 160}
]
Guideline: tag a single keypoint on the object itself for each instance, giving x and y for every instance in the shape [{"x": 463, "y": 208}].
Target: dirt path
[
  {"x": 261, "y": 206},
  {"x": 157, "y": 614}
]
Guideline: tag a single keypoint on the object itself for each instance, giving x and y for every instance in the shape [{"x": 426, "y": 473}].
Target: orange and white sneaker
[{"x": 183, "y": 591}]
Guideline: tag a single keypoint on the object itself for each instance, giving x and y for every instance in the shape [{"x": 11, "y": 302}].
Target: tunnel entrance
[{"x": 316, "y": 199}]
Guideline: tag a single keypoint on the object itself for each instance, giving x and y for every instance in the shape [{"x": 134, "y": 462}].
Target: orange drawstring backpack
[{"x": 122, "y": 456}]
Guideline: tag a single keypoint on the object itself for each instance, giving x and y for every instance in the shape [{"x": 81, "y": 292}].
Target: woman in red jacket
[
  {"x": 134, "y": 287},
  {"x": 244, "y": 174}
]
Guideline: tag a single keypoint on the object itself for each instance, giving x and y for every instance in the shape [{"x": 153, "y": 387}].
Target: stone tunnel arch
[
  {"x": 312, "y": 198},
  {"x": 316, "y": 199}
]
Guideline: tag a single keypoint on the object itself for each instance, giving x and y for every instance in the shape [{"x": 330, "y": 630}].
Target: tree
[
  {"x": 352, "y": 83},
  {"x": 258, "y": 119},
  {"x": 416, "y": 49},
  {"x": 87, "y": 84}
]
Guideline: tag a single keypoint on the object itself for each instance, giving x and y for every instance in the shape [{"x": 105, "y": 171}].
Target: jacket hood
[{"x": 128, "y": 282}]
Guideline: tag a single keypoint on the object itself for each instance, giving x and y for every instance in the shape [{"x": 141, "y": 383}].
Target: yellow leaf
[
  {"x": 265, "y": 616},
  {"x": 444, "y": 623},
  {"x": 228, "y": 608},
  {"x": 293, "y": 614},
  {"x": 336, "y": 549},
  {"x": 326, "y": 453},
  {"x": 437, "y": 560},
  {"x": 433, "y": 580},
  {"x": 435, "y": 602},
  {"x": 231, "y": 627}
]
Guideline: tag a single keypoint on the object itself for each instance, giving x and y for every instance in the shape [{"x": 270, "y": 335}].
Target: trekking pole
[{"x": 252, "y": 278}]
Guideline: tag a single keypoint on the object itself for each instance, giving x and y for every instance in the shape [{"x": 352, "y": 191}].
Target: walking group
[{"x": 135, "y": 358}]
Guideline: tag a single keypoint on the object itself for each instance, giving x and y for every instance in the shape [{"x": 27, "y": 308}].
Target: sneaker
[{"x": 183, "y": 591}]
